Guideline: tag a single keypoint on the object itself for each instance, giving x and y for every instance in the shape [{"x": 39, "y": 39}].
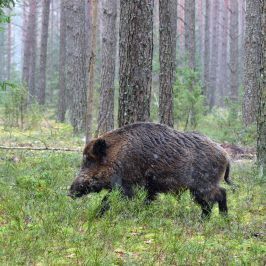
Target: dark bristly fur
[{"x": 158, "y": 158}]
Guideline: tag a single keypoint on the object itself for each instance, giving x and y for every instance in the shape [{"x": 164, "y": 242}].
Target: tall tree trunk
[
  {"x": 214, "y": 53},
  {"x": 33, "y": 42},
  {"x": 241, "y": 41},
  {"x": 52, "y": 25},
  {"x": 2, "y": 60},
  {"x": 91, "y": 69},
  {"x": 109, "y": 43},
  {"x": 62, "y": 65},
  {"x": 43, "y": 54},
  {"x": 207, "y": 48},
  {"x": 200, "y": 38},
  {"x": 252, "y": 59},
  {"x": 135, "y": 49},
  {"x": 234, "y": 50},
  {"x": 261, "y": 114},
  {"x": 29, "y": 54},
  {"x": 190, "y": 39},
  {"x": 223, "y": 80},
  {"x": 156, "y": 60},
  {"x": 180, "y": 32},
  {"x": 76, "y": 63},
  {"x": 9, "y": 49},
  {"x": 168, "y": 27}
]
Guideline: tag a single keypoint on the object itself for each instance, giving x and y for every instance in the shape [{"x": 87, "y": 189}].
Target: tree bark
[
  {"x": 9, "y": 49},
  {"x": 214, "y": 53},
  {"x": 233, "y": 66},
  {"x": 91, "y": 69},
  {"x": 252, "y": 59},
  {"x": 135, "y": 49},
  {"x": 207, "y": 48},
  {"x": 76, "y": 63},
  {"x": 109, "y": 43},
  {"x": 2, "y": 59},
  {"x": 62, "y": 65},
  {"x": 199, "y": 38},
  {"x": 29, "y": 55},
  {"x": 33, "y": 42},
  {"x": 223, "y": 78},
  {"x": 261, "y": 114},
  {"x": 167, "y": 54},
  {"x": 43, "y": 54},
  {"x": 190, "y": 39}
]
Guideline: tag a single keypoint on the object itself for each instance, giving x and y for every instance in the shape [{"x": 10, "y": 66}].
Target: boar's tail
[{"x": 227, "y": 177}]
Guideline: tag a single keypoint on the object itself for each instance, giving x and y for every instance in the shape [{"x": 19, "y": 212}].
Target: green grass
[{"x": 40, "y": 225}]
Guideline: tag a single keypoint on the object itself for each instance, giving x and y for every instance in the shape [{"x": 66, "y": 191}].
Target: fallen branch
[{"x": 40, "y": 149}]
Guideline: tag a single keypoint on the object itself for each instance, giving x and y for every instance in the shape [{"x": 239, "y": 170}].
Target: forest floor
[{"x": 41, "y": 225}]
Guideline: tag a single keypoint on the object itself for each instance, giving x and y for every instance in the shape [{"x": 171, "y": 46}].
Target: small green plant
[
  {"x": 226, "y": 124},
  {"x": 5, "y": 4},
  {"x": 188, "y": 98},
  {"x": 18, "y": 113},
  {"x": 15, "y": 102}
]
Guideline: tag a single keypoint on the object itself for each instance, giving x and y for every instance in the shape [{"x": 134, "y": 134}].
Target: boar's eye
[{"x": 86, "y": 160}]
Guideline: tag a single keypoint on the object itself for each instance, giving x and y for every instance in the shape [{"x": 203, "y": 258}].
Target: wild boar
[{"x": 158, "y": 158}]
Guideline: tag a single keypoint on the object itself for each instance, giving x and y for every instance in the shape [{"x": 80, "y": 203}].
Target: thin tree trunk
[
  {"x": 43, "y": 54},
  {"x": 62, "y": 65},
  {"x": 261, "y": 114},
  {"x": 214, "y": 53},
  {"x": 76, "y": 63},
  {"x": 135, "y": 49},
  {"x": 234, "y": 50},
  {"x": 190, "y": 39},
  {"x": 223, "y": 81},
  {"x": 109, "y": 43},
  {"x": 241, "y": 41},
  {"x": 207, "y": 48},
  {"x": 9, "y": 49},
  {"x": 200, "y": 38},
  {"x": 91, "y": 69},
  {"x": 33, "y": 39},
  {"x": 156, "y": 61},
  {"x": 168, "y": 27},
  {"x": 2, "y": 44},
  {"x": 252, "y": 59},
  {"x": 29, "y": 57},
  {"x": 29, "y": 20},
  {"x": 181, "y": 32}
]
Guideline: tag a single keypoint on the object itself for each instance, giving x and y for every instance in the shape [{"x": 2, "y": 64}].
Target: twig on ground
[{"x": 40, "y": 149}]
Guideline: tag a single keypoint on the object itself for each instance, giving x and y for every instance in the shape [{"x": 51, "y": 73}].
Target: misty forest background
[
  {"x": 103, "y": 64},
  {"x": 72, "y": 70}
]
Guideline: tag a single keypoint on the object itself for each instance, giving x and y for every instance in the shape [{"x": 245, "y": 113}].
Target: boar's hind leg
[
  {"x": 206, "y": 207},
  {"x": 222, "y": 203}
]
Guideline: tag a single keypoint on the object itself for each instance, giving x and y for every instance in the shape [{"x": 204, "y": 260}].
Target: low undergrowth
[{"x": 41, "y": 225}]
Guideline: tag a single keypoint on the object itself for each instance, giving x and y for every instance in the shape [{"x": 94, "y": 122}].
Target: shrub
[
  {"x": 188, "y": 98},
  {"x": 18, "y": 113}
]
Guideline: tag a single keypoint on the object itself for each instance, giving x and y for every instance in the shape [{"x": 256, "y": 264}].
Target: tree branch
[{"x": 40, "y": 149}]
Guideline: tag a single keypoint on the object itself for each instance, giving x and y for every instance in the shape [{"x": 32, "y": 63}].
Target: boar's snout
[{"x": 78, "y": 189}]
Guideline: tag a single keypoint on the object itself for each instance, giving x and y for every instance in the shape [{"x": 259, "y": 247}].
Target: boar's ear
[{"x": 99, "y": 148}]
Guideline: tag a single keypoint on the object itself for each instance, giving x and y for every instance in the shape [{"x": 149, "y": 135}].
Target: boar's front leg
[
  {"x": 125, "y": 186},
  {"x": 105, "y": 206},
  {"x": 116, "y": 182}
]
